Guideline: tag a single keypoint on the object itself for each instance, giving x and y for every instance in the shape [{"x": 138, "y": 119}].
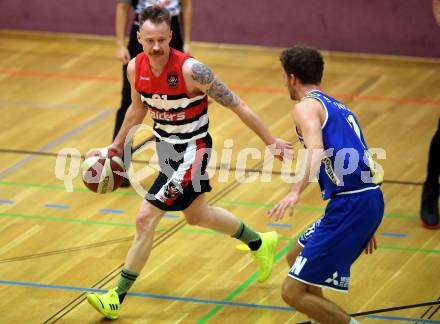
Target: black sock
[
  {"x": 121, "y": 297},
  {"x": 255, "y": 245},
  {"x": 125, "y": 282},
  {"x": 248, "y": 237}
]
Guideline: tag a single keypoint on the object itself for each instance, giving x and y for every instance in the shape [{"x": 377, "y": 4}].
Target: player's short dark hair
[
  {"x": 304, "y": 62},
  {"x": 156, "y": 15}
]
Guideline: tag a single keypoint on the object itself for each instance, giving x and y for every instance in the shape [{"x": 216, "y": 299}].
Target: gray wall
[{"x": 402, "y": 27}]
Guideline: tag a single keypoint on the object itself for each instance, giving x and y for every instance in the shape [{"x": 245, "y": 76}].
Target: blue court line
[
  {"x": 6, "y": 201},
  {"x": 171, "y": 216},
  {"x": 279, "y": 225},
  {"x": 405, "y": 319},
  {"x": 198, "y": 300},
  {"x": 56, "y": 206},
  {"x": 163, "y": 297},
  {"x": 111, "y": 211},
  {"x": 395, "y": 234}
]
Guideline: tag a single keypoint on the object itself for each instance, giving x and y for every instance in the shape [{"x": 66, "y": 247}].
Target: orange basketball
[{"x": 103, "y": 173}]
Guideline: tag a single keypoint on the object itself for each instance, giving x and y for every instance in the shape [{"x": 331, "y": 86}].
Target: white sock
[{"x": 353, "y": 321}]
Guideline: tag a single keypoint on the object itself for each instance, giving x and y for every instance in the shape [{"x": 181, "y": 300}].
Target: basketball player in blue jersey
[
  {"x": 337, "y": 153},
  {"x": 173, "y": 87}
]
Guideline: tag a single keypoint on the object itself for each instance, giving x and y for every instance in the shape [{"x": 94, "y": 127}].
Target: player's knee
[
  {"x": 291, "y": 296},
  {"x": 286, "y": 295},
  {"x": 193, "y": 219},
  {"x": 145, "y": 223}
]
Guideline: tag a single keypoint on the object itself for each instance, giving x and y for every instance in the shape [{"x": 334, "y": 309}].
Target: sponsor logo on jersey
[
  {"x": 173, "y": 79},
  {"x": 341, "y": 282},
  {"x": 167, "y": 116},
  {"x": 329, "y": 170},
  {"x": 144, "y": 78},
  {"x": 173, "y": 189}
]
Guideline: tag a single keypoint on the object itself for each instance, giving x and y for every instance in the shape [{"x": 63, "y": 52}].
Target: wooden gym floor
[{"x": 59, "y": 91}]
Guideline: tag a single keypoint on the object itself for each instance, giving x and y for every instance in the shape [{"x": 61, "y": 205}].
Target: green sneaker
[
  {"x": 265, "y": 255},
  {"x": 107, "y": 304}
]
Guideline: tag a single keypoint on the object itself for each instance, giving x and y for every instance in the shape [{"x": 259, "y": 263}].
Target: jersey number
[
  {"x": 377, "y": 175},
  {"x": 161, "y": 101}
]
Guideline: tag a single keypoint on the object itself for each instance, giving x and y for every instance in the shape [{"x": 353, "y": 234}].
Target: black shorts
[{"x": 182, "y": 177}]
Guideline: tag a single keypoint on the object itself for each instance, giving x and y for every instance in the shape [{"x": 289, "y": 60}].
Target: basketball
[{"x": 103, "y": 173}]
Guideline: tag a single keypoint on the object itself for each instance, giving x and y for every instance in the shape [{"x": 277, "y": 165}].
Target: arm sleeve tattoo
[
  {"x": 218, "y": 90},
  {"x": 202, "y": 74}
]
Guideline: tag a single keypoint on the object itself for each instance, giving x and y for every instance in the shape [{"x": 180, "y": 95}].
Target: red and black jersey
[{"x": 179, "y": 117}]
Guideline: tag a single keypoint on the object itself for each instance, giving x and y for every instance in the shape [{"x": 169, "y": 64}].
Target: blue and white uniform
[{"x": 349, "y": 178}]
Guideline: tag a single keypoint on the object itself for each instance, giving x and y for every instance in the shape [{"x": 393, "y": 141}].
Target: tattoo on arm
[
  {"x": 218, "y": 90},
  {"x": 221, "y": 93},
  {"x": 202, "y": 74}
]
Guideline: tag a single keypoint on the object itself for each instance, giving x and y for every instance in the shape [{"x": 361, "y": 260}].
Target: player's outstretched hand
[
  {"x": 281, "y": 149},
  {"x": 371, "y": 246},
  {"x": 287, "y": 203}
]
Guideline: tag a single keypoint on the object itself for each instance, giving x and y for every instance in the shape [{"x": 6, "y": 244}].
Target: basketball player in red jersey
[{"x": 173, "y": 88}]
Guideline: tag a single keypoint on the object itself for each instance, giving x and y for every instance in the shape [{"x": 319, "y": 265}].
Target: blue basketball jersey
[{"x": 347, "y": 165}]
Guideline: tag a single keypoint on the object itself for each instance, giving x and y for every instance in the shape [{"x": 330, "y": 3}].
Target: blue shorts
[{"x": 335, "y": 241}]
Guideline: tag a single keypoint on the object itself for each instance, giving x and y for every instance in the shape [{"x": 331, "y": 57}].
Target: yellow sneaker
[
  {"x": 265, "y": 255},
  {"x": 107, "y": 304}
]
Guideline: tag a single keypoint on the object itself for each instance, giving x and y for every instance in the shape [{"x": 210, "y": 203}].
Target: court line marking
[
  {"x": 216, "y": 168},
  {"x": 7, "y": 201},
  {"x": 94, "y": 222},
  {"x": 70, "y": 220},
  {"x": 242, "y": 287},
  {"x": 405, "y": 319},
  {"x": 192, "y": 300},
  {"x": 56, "y": 206},
  {"x": 222, "y": 202},
  {"x": 395, "y": 234},
  {"x": 63, "y": 219},
  {"x": 103, "y": 243},
  {"x": 184, "y": 230},
  {"x": 56, "y": 142},
  {"x": 236, "y": 87},
  {"x": 144, "y": 295},
  {"x": 278, "y": 225},
  {"x": 171, "y": 216},
  {"x": 55, "y": 187},
  {"x": 111, "y": 211},
  {"x": 299, "y": 208}
]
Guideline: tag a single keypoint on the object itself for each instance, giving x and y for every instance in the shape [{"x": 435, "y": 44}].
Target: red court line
[{"x": 240, "y": 88}]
